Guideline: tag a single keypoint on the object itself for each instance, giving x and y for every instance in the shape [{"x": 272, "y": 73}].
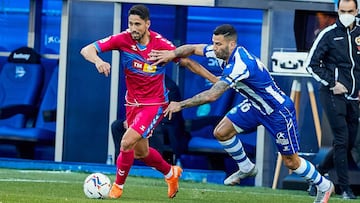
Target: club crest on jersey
[
  {"x": 147, "y": 68},
  {"x": 357, "y": 42}
]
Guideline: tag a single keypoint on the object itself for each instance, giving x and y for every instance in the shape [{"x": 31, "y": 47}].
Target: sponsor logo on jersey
[
  {"x": 147, "y": 68},
  {"x": 105, "y": 39},
  {"x": 280, "y": 139}
]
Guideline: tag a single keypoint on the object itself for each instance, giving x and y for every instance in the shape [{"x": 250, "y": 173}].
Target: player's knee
[
  {"x": 125, "y": 145},
  {"x": 222, "y": 132},
  {"x": 141, "y": 155},
  {"x": 217, "y": 133}
]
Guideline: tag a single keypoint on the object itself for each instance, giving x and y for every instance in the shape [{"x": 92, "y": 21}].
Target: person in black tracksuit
[
  {"x": 171, "y": 132},
  {"x": 334, "y": 61}
]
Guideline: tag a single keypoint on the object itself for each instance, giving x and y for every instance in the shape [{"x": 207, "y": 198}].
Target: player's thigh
[
  {"x": 282, "y": 126},
  {"x": 244, "y": 117}
]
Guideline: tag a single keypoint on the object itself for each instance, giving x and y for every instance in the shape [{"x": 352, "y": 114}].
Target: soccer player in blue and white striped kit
[{"x": 264, "y": 104}]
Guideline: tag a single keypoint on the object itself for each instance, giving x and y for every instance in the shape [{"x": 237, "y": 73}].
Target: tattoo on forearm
[
  {"x": 206, "y": 96},
  {"x": 184, "y": 51},
  {"x": 195, "y": 100}
]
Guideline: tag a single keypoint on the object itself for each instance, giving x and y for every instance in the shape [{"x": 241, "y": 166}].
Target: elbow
[
  {"x": 185, "y": 62},
  {"x": 83, "y": 52},
  {"x": 88, "y": 51},
  {"x": 191, "y": 65}
]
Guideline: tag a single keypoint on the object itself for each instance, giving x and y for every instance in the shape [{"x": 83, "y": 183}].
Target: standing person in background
[
  {"x": 173, "y": 131},
  {"x": 118, "y": 129},
  {"x": 264, "y": 104},
  {"x": 146, "y": 96},
  {"x": 168, "y": 130},
  {"x": 334, "y": 61}
]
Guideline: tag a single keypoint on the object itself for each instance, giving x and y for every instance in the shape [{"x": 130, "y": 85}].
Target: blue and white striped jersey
[{"x": 246, "y": 74}]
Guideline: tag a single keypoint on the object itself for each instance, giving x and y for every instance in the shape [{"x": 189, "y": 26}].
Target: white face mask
[{"x": 346, "y": 19}]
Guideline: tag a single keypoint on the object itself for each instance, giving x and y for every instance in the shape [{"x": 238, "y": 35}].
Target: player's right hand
[
  {"x": 172, "y": 108},
  {"x": 161, "y": 56},
  {"x": 103, "y": 67},
  {"x": 339, "y": 88}
]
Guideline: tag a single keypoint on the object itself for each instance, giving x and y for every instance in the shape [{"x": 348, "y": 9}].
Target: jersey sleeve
[
  {"x": 161, "y": 43},
  {"x": 209, "y": 53},
  {"x": 239, "y": 68}
]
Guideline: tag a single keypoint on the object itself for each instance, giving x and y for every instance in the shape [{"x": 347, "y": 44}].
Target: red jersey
[{"x": 145, "y": 83}]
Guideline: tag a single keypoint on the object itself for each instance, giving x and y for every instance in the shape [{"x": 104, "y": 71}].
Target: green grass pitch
[{"x": 36, "y": 186}]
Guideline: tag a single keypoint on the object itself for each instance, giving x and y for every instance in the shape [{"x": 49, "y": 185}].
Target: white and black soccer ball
[{"x": 97, "y": 186}]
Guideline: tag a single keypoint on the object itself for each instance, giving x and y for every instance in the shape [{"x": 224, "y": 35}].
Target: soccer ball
[{"x": 97, "y": 186}]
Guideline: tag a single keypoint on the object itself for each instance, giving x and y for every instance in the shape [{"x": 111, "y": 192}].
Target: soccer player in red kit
[{"x": 146, "y": 96}]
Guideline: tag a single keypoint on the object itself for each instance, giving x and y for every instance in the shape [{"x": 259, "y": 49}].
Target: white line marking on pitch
[{"x": 32, "y": 180}]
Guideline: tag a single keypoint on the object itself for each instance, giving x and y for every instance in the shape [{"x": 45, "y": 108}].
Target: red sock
[
  {"x": 154, "y": 159},
  {"x": 123, "y": 164}
]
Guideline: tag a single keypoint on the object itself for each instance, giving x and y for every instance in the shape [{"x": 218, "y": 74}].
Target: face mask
[{"x": 346, "y": 19}]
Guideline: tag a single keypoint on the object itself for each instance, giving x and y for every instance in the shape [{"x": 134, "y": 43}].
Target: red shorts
[{"x": 144, "y": 119}]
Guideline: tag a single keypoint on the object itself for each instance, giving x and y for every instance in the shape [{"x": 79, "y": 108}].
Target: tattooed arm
[
  {"x": 165, "y": 56},
  {"x": 206, "y": 96}
]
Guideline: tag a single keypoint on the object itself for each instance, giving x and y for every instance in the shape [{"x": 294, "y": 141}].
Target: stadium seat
[
  {"x": 21, "y": 80},
  {"x": 204, "y": 151},
  {"x": 202, "y": 134},
  {"x": 42, "y": 133}
]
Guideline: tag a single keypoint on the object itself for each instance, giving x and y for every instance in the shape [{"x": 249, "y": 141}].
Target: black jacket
[{"x": 335, "y": 56}]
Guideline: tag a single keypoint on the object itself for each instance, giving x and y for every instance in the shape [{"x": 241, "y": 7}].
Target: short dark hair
[
  {"x": 140, "y": 10},
  {"x": 355, "y": 1},
  {"x": 227, "y": 30}
]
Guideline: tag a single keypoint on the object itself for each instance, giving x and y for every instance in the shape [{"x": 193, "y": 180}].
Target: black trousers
[
  {"x": 343, "y": 117},
  {"x": 166, "y": 133}
]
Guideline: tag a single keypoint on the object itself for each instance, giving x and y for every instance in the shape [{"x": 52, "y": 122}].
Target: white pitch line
[
  {"x": 33, "y": 180},
  {"x": 144, "y": 186},
  {"x": 40, "y": 171}
]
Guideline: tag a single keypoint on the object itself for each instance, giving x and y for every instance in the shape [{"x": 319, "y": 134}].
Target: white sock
[
  {"x": 234, "y": 148},
  {"x": 309, "y": 172},
  {"x": 168, "y": 175}
]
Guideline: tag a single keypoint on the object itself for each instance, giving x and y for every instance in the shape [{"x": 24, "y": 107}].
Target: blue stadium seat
[
  {"x": 216, "y": 155},
  {"x": 21, "y": 80},
  {"x": 42, "y": 132},
  {"x": 201, "y": 120}
]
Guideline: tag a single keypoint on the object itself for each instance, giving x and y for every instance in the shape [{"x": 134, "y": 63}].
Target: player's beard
[
  {"x": 137, "y": 36},
  {"x": 222, "y": 54}
]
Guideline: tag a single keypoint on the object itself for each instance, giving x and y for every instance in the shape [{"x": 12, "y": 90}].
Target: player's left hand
[
  {"x": 161, "y": 56},
  {"x": 172, "y": 108}
]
